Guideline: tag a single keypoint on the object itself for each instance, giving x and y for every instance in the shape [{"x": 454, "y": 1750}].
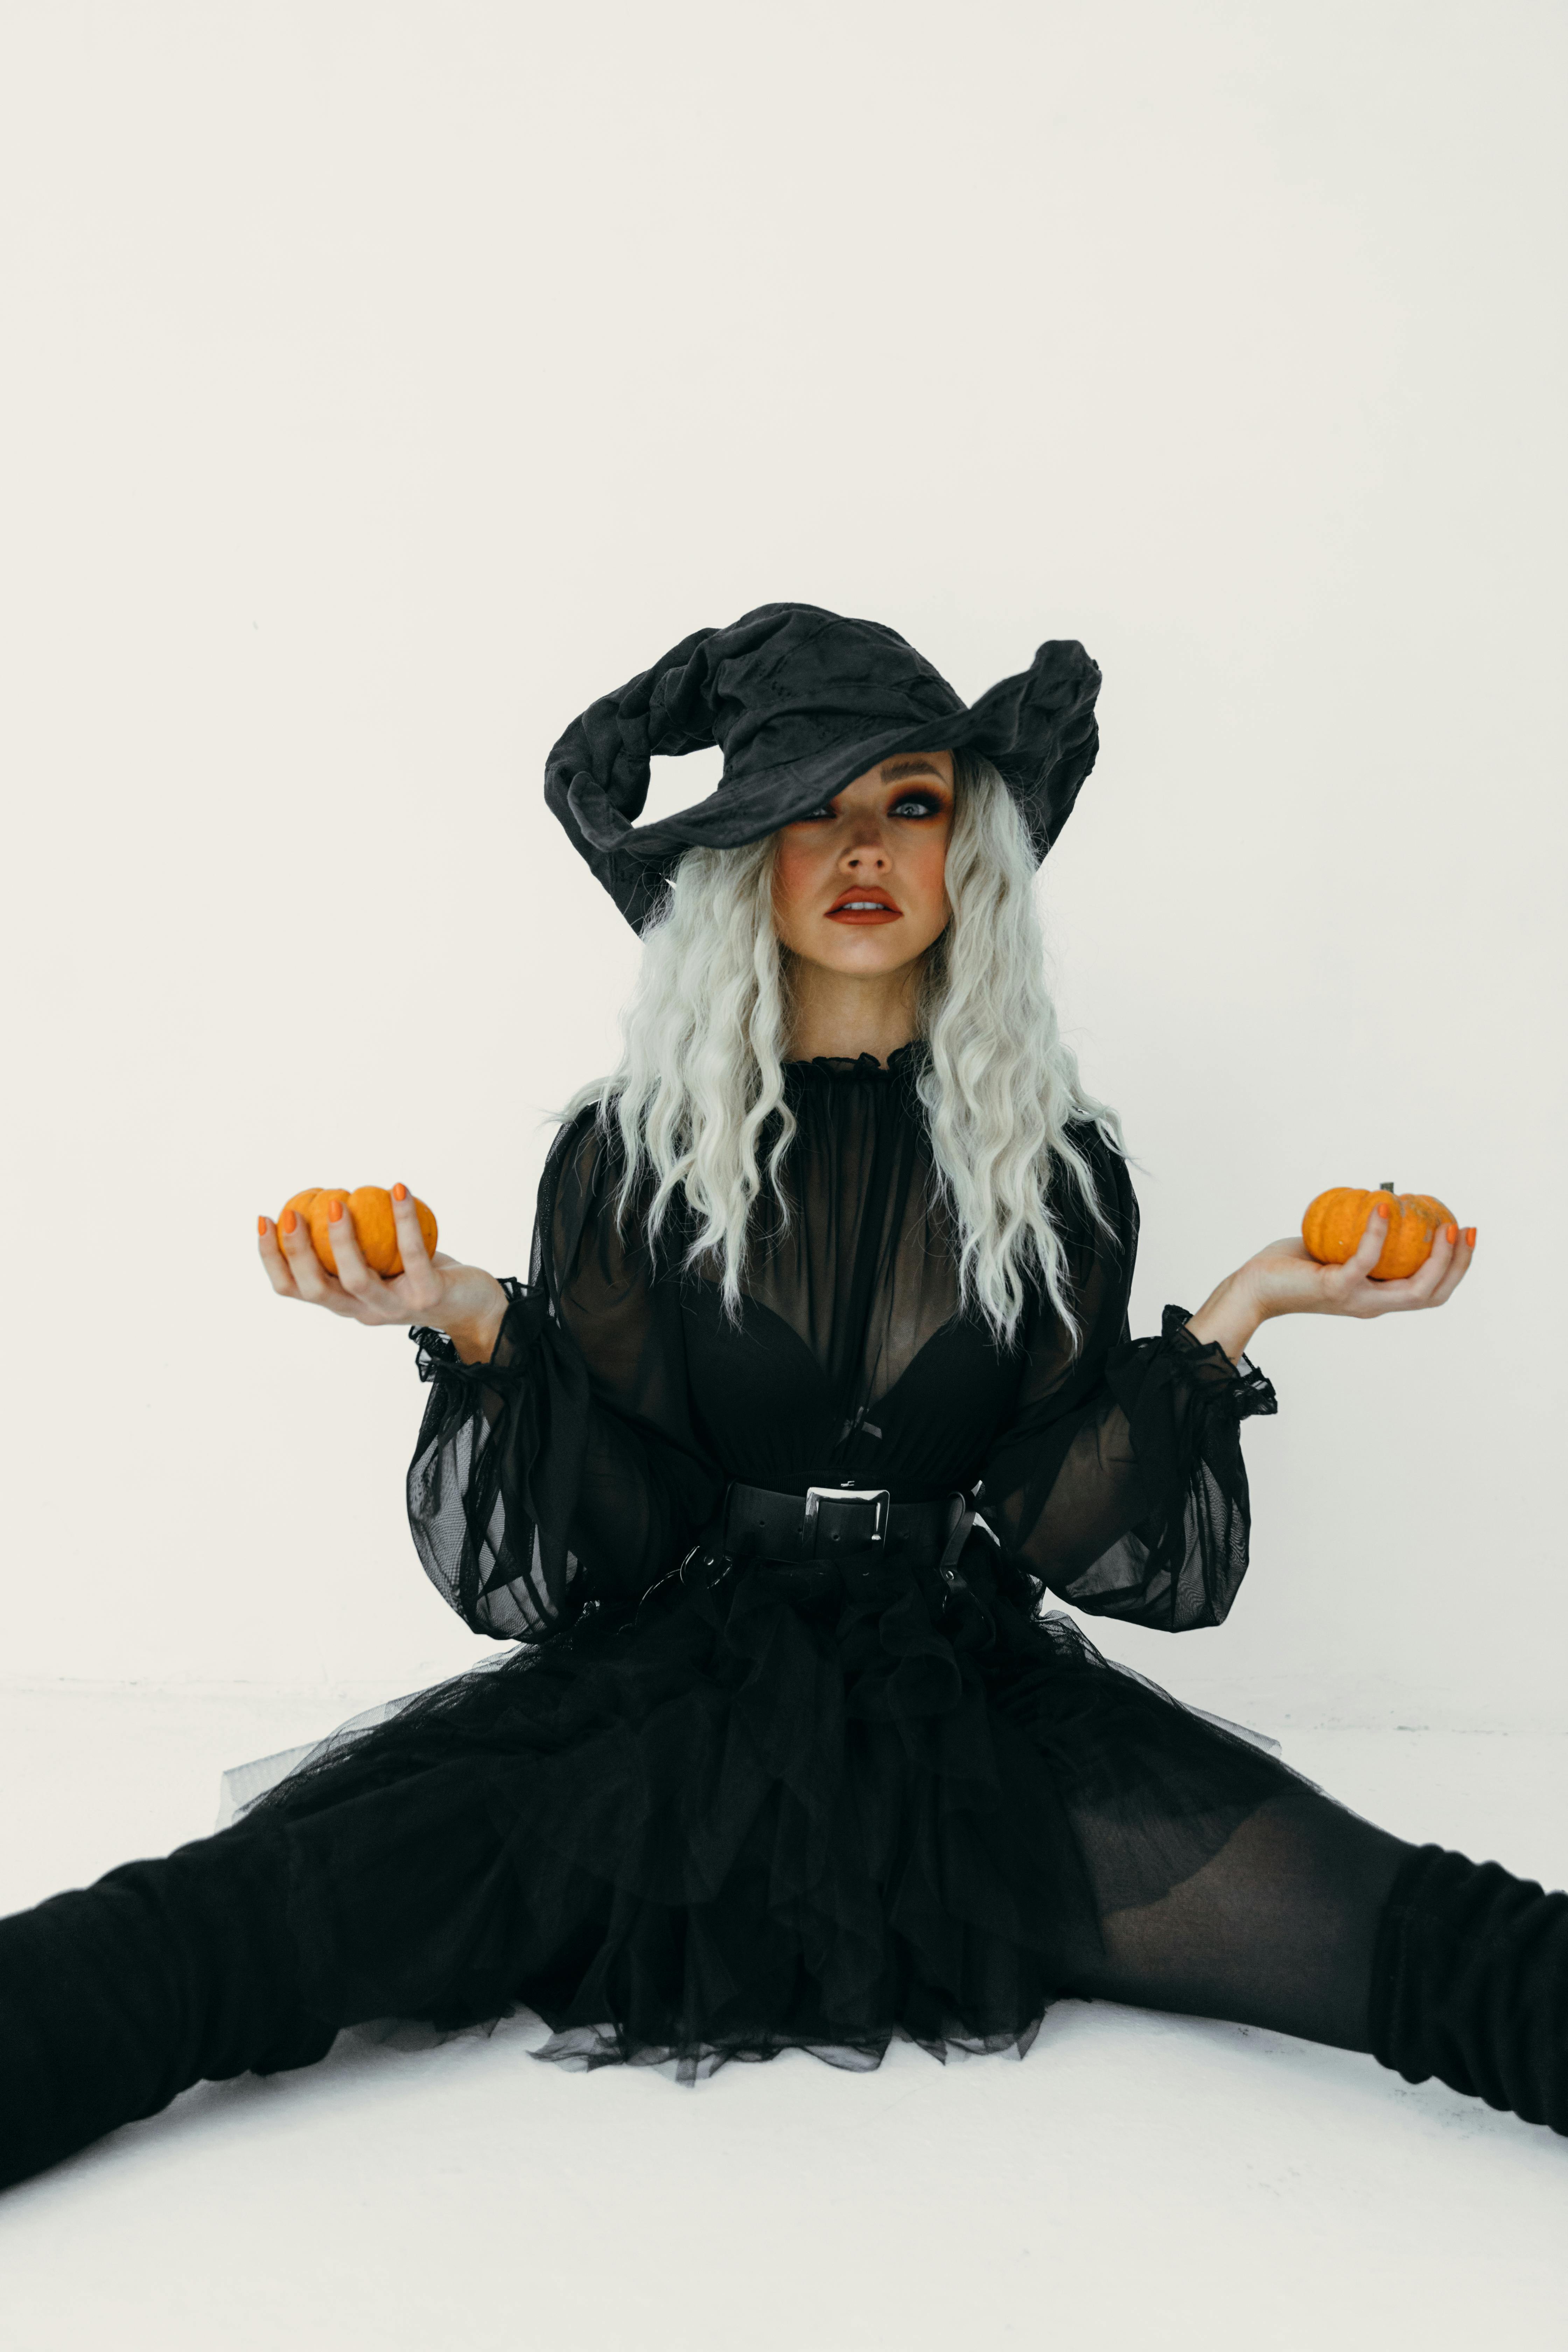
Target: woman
[{"x": 820, "y": 1380}]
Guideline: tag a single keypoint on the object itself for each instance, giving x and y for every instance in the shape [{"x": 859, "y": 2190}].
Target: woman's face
[{"x": 859, "y": 886}]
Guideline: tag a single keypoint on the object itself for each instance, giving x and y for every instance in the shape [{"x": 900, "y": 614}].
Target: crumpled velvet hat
[{"x": 801, "y": 701}]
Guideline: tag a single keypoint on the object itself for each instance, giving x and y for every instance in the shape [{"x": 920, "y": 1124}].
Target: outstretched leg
[
  {"x": 1470, "y": 1983},
  {"x": 1313, "y": 1922},
  {"x": 116, "y": 1997},
  {"x": 1278, "y": 1929}
]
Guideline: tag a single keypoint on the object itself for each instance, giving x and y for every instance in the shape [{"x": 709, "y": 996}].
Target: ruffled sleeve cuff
[
  {"x": 1183, "y": 1553},
  {"x": 1240, "y": 1388},
  {"x": 511, "y": 1360}
]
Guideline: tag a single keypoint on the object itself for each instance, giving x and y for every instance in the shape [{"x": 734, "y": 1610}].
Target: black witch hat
[{"x": 801, "y": 701}]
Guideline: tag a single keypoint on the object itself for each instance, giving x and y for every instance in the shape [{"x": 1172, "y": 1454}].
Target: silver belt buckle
[{"x": 879, "y": 1497}]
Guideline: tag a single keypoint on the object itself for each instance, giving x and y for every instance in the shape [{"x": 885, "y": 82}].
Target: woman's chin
[{"x": 867, "y": 954}]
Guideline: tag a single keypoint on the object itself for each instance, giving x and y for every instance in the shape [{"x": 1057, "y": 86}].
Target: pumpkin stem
[{"x": 1385, "y": 1188}]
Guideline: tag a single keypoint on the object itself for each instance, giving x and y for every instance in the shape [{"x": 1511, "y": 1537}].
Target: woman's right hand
[{"x": 463, "y": 1301}]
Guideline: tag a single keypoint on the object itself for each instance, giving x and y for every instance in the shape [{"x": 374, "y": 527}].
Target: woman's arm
[
  {"x": 474, "y": 1329},
  {"x": 438, "y": 1291},
  {"x": 530, "y": 1491},
  {"x": 1124, "y": 1490},
  {"x": 1285, "y": 1279},
  {"x": 1117, "y": 1480},
  {"x": 554, "y": 1462},
  {"x": 1120, "y": 1481}
]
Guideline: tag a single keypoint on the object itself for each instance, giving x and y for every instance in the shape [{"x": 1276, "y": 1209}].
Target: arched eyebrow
[{"x": 891, "y": 771}]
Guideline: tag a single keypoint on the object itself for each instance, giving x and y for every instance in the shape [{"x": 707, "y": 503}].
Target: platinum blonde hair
[{"x": 698, "y": 1105}]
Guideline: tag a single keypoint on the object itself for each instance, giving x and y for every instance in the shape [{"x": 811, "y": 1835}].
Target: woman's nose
[{"x": 866, "y": 849}]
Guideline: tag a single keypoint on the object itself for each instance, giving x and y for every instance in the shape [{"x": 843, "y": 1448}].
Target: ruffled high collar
[{"x": 904, "y": 1065}]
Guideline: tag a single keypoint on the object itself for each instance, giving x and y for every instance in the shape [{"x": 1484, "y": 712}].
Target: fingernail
[
  {"x": 261, "y": 1224},
  {"x": 1470, "y": 1235},
  {"x": 400, "y": 1192},
  {"x": 1450, "y": 1233},
  {"x": 1383, "y": 1210},
  {"x": 334, "y": 1212},
  {"x": 289, "y": 1222}
]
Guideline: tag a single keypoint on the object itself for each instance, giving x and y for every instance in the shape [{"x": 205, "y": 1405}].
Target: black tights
[
  {"x": 1279, "y": 1929},
  {"x": 115, "y": 1998}
]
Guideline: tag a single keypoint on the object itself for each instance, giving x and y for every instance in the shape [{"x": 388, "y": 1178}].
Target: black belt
[{"x": 863, "y": 1523}]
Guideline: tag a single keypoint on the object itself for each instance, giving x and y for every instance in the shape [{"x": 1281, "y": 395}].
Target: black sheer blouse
[{"x": 592, "y": 1451}]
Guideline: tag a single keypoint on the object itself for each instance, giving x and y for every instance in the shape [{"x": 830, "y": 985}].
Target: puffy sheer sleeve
[
  {"x": 1118, "y": 1481},
  {"x": 563, "y": 1470}
]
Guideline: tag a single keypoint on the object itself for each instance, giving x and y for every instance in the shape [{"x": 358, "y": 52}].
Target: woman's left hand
[{"x": 1285, "y": 1279}]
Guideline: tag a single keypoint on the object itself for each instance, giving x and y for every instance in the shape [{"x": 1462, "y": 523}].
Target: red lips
[{"x": 865, "y": 902}]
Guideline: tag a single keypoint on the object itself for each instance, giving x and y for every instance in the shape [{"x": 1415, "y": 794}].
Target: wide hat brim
[{"x": 836, "y": 697}]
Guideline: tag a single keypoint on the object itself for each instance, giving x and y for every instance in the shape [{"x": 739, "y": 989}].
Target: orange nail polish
[
  {"x": 400, "y": 1192},
  {"x": 334, "y": 1212},
  {"x": 1384, "y": 1210},
  {"x": 261, "y": 1224},
  {"x": 289, "y": 1222},
  {"x": 1450, "y": 1233},
  {"x": 1470, "y": 1235}
]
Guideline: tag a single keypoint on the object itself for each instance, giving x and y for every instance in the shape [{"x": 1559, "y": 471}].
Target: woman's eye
[{"x": 915, "y": 803}]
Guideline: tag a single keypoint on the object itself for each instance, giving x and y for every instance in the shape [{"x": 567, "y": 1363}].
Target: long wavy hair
[{"x": 697, "y": 1105}]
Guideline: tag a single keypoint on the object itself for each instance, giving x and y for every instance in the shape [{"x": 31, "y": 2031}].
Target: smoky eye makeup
[{"x": 908, "y": 800}]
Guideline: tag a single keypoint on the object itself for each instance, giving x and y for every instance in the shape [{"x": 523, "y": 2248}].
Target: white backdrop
[{"x": 385, "y": 380}]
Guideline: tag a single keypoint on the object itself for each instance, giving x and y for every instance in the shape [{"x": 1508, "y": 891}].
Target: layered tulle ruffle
[{"x": 769, "y": 1808}]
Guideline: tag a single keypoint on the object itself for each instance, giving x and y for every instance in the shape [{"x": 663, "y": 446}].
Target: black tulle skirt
[{"x": 766, "y": 1808}]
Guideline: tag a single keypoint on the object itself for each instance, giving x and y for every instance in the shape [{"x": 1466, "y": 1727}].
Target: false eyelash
[{"x": 928, "y": 803}]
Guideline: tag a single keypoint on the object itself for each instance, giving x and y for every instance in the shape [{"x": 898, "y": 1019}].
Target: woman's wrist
[
  {"x": 1230, "y": 1315},
  {"x": 472, "y": 1322}
]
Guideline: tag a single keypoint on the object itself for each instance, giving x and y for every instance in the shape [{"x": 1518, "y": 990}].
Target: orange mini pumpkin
[
  {"x": 316, "y": 1219},
  {"x": 301, "y": 1205},
  {"x": 1336, "y": 1220},
  {"x": 375, "y": 1229}
]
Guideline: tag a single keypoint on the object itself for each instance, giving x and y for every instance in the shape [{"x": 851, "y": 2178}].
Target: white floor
[{"x": 1137, "y": 2181}]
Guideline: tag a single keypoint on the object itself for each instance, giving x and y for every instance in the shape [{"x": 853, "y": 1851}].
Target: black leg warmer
[
  {"x": 1470, "y": 1983},
  {"x": 116, "y": 1997}
]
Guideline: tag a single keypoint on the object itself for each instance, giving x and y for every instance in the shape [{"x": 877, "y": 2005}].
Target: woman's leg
[
  {"x": 116, "y": 1997},
  {"x": 1312, "y": 1921},
  {"x": 1470, "y": 1983},
  {"x": 1278, "y": 1929}
]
